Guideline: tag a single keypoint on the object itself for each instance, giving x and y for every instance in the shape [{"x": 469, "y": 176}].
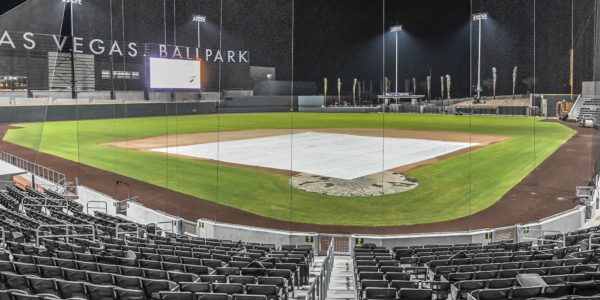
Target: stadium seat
[
  {"x": 194, "y": 287},
  {"x": 175, "y": 295},
  {"x": 415, "y": 294},
  {"x": 211, "y": 296},
  {"x": 491, "y": 294},
  {"x": 228, "y": 288},
  {"x": 99, "y": 292},
  {"x": 42, "y": 286},
  {"x": 71, "y": 289},
  {"x": 152, "y": 287},
  {"x": 248, "y": 297},
  {"x": 380, "y": 293},
  {"x": 271, "y": 292},
  {"x": 128, "y": 294},
  {"x": 15, "y": 281}
]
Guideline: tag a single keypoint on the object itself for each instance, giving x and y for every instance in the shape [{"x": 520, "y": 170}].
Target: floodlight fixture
[
  {"x": 396, "y": 28},
  {"x": 80, "y": 2},
  {"x": 199, "y": 18},
  {"x": 480, "y": 16}
]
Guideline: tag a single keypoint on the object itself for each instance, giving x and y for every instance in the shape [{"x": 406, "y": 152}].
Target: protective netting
[{"x": 266, "y": 65}]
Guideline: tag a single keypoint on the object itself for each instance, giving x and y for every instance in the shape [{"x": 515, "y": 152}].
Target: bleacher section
[
  {"x": 585, "y": 108},
  {"x": 53, "y": 250},
  {"x": 560, "y": 267}
]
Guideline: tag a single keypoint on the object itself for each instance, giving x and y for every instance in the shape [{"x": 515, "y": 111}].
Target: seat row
[
  {"x": 440, "y": 289},
  {"x": 552, "y": 291},
  {"x": 484, "y": 265},
  {"x": 563, "y": 270},
  {"x": 151, "y": 288},
  {"x": 542, "y": 269}
]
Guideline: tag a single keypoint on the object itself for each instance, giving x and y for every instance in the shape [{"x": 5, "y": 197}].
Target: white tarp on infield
[{"x": 333, "y": 155}]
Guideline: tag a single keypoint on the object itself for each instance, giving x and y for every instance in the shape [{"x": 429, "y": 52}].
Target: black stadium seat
[
  {"x": 129, "y": 294},
  {"x": 248, "y": 297},
  {"x": 211, "y": 296},
  {"x": 70, "y": 289},
  {"x": 14, "y": 281},
  {"x": 228, "y": 288},
  {"x": 99, "y": 292},
  {"x": 380, "y": 293},
  {"x": 194, "y": 287},
  {"x": 42, "y": 286},
  {"x": 175, "y": 295}
]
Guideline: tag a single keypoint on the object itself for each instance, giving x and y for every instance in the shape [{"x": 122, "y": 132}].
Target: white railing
[
  {"x": 3, "y": 231},
  {"x": 44, "y": 202},
  {"x": 540, "y": 240},
  {"x": 87, "y": 206},
  {"x": 46, "y": 173},
  {"x": 117, "y": 233},
  {"x": 67, "y": 234},
  {"x": 590, "y": 244}
]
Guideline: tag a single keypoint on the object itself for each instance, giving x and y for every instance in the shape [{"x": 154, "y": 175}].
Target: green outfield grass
[{"x": 453, "y": 188}]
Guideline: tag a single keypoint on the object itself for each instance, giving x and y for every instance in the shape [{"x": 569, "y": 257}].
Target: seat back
[
  {"x": 211, "y": 296},
  {"x": 127, "y": 294},
  {"x": 244, "y": 280},
  {"x": 41, "y": 285},
  {"x": 175, "y": 295},
  {"x": 228, "y": 288},
  {"x": 262, "y": 289},
  {"x": 415, "y": 294},
  {"x": 99, "y": 292},
  {"x": 194, "y": 287},
  {"x": 380, "y": 293}
]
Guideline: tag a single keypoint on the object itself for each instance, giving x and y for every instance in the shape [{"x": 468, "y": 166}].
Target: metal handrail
[
  {"x": 67, "y": 235},
  {"x": 45, "y": 201},
  {"x": 318, "y": 288},
  {"x": 87, "y": 206},
  {"x": 3, "y": 236},
  {"x": 172, "y": 222},
  {"x": 543, "y": 233},
  {"x": 125, "y": 232},
  {"x": 313, "y": 290},
  {"x": 593, "y": 234}
]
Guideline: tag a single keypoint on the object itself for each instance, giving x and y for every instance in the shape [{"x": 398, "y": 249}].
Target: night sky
[{"x": 343, "y": 38}]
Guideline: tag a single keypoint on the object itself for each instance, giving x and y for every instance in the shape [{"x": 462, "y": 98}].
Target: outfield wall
[{"x": 43, "y": 113}]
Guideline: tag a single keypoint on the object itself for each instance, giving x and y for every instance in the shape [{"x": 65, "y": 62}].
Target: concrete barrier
[{"x": 224, "y": 231}]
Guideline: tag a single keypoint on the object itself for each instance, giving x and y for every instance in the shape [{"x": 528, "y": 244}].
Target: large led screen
[{"x": 174, "y": 74}]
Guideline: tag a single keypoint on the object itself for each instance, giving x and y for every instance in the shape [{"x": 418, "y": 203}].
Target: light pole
[
  {"x": 199, "y": 19},
  {"x": 396, "y": 29},
  {"x": 479, "y": 17}
]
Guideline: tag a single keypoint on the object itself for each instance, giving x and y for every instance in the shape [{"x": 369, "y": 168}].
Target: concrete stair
[{"x": 342, "y": 285}]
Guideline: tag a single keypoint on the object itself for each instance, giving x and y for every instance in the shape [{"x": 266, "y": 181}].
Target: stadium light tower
[
  {"x": 479, "y": 17},
  {"x": 199, "y": 19},
  {"x": 396, "y": 29}
]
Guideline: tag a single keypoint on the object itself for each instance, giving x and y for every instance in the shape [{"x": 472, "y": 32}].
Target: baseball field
[{"x": 483, "y": 158}]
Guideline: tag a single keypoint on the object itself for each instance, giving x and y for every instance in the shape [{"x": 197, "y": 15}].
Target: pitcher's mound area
[{"x": 383, "y": 183}]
